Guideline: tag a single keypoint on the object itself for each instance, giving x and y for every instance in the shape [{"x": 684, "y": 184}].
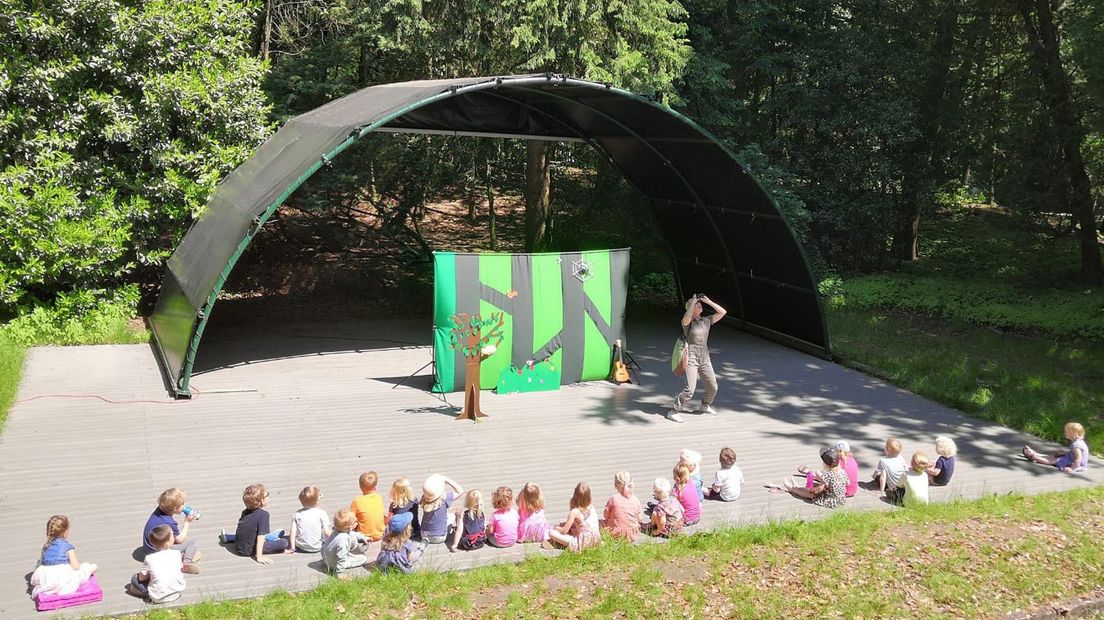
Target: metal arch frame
[{"x": 180, "y": 385}]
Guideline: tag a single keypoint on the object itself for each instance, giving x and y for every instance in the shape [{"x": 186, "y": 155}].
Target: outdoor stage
[{"x": 314, "y": 404}]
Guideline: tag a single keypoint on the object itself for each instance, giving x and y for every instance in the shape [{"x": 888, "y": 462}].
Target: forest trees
[{"x": 116, "y": 121}]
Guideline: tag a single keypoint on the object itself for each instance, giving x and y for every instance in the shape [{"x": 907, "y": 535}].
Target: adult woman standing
[{"x": 695, "y": 328}]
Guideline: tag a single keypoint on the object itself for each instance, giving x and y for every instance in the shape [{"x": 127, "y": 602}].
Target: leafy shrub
[
  {"x": 83, "y": 317},
  {"x": 654, "y": 289}
]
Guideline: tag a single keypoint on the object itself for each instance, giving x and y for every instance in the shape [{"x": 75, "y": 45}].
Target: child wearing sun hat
[
  {"x": 397, "y": 551},
  {"x": 434, "y": 503}
]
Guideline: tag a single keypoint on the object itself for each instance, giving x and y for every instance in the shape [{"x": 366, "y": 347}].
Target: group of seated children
[
  {"x": 906, "y": 484},
  {"x": 902, "y": 483},
  {"x": 408, "y": 523}
]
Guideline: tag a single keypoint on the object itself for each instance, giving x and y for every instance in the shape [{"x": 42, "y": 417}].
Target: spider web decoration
[{"x": 581, "y": 270}]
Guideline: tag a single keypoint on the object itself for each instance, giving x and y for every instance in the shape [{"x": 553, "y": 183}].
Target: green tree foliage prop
[
  {"x": 116, "y": 121},
  {"x": 471, "y": 335}
]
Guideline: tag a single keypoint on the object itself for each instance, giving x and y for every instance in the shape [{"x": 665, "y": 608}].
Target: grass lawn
[
  {"x": 1022, "y": 382},
  {"x": 963, "y": 559},
  {"x": 11, "y": 370}
]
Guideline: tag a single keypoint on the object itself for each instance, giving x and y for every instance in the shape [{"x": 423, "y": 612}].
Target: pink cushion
[{"x": 88, "y": 592}]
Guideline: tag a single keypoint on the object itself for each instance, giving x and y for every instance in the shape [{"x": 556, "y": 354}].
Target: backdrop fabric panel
[{"x": 550, "y": 312}]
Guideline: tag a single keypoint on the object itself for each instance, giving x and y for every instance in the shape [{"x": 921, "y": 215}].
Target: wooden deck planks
[{"x": 321, "y": 409}]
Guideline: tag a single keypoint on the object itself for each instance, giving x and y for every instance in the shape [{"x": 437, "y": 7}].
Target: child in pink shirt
[
  {"x": 623, "y": 514},
  {"x": 502, "y": 527},
  {"x": 687, "y": 495},
  {"x": 532, "y": 524},
  {"x": 850, "y": 466}
]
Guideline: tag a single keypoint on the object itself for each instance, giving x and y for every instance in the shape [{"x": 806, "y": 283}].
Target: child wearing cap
[
  {"x": 397, "y": 551},
  {"x": 434, "y": 505},
  {"x": 347, "y": 547},
  {"x": 849, "y": 465}
]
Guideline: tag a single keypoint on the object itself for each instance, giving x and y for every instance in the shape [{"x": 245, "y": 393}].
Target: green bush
[
  {"x": 83, "y": 317},
  {"x": 1070, "y": 315}
]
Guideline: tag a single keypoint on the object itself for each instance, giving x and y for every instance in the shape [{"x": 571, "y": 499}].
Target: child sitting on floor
[
  {"x": 346, "y": 548},
  {"x": 310, "y": 525},
  {"x": 580, "y": 530},
  {"x": 471, "y": 534},
  {"x": 624, "y": 513},
  {"x": 686, "y": 495},
  {"x": 693, "y": 460},
  {"x": 849, "y": 466},
  {"x": 171, "y": 502},
  {"x": 532, "y": 524},
  {"x": 828, "y": 487},
  {"x": 403, "y": 500},
  {"x": 915, "y": 481},
  {"x": 940, "y": 474},
  {"x": 59, "y": 571},
  {"x": 434, "y": 505},
  {"x": 368, "y": 507},
  {"x": 1074, "y": 460},
  {"x": 397, "y": 551},
  {"x": 502, "y": 530},
  {"x": 726, "y": 484},
  {"x": 254, "y": 526},
  {"x": 161, "y": 579},
  {"x": 667, "y": 512},
  {"x": 889, "y": 471}
]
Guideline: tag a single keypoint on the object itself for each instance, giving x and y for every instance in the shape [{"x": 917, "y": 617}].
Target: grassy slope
[{"x": 963, "y": 560}]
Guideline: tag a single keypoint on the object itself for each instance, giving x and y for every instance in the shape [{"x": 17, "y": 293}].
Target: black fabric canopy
[{"x": 727, "y": 237}]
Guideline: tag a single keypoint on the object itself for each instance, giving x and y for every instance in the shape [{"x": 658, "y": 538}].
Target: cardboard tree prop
[{"x": 477, "y": 339}]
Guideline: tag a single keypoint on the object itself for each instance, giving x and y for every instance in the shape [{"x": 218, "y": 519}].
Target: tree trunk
[
  {"x": 1043, "y": 39},
  {"x": 471, "y": 381},
  {"x": 538, "y": 209},
  {"x": 491, "y": 217},
  {"x": 924, "y": 172},
  {"x": 266, "y": 32}
]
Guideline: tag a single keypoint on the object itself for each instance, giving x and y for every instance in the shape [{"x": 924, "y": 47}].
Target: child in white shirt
[
  {"x": 161, "y": 579},
  {"x": 727, "y": 481},
  {"x": 310, "y": 525}
]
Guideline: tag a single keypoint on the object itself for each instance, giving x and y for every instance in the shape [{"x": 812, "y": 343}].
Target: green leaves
[{"x": 118, "y": 120}]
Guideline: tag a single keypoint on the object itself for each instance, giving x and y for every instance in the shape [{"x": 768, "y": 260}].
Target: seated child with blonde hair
[
  {"x": 684, "y": 491},
  {"x": 580, "y": 530},
  {"x": 889, "y": 471},
  {"x": 624, "y": 513},
  {"x": 397, "y": 551},
  {"x": 59, "y": 571},
  {"x": 667, "y": 512},
  {"x": 1071, "y": 461},
  {"x": 346, "y": 548},
  {"x": 915, "y": 481},
  {"x": 161, "y": 579},
  {"x": 403, "y": 500},
  {"x": 310, "y": 525},
  {"x": 532, "y": 524},
  {"x": 471, "y": 534},
  {"x": 502, "y": 529},
  {"x": 170, "y": 503},
  {"x": 939, "y": 475},
  {"x": 692, "y": 459},
  {"x": 727, "y": 481},
  {"x": 368, "y": 507}
]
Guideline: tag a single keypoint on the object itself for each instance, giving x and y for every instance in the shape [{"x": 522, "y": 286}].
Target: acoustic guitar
[{"x": 620, "y": 371}]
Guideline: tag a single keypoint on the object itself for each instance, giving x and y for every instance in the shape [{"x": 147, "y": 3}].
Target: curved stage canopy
[{"x": 726, "y": 235}]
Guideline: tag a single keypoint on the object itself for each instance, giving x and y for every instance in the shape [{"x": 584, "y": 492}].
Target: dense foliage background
[{"x": 863, "y": 117}]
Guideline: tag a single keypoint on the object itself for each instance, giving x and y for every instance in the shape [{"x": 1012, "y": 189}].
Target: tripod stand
[
  {"x": 631, "y": 364},
  {"x": 433, "y": 373}
]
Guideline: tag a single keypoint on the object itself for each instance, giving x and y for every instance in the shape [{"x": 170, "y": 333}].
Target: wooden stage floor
[{"x": 318, "y": 404}]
